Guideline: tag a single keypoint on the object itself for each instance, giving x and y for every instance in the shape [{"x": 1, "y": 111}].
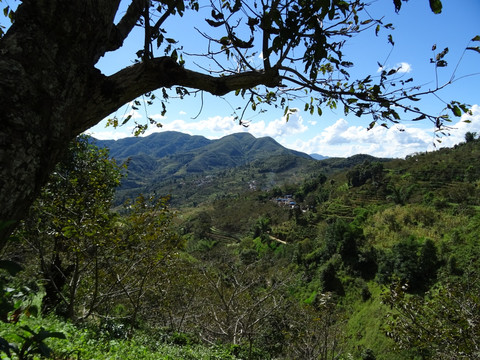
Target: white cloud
[
  {"x": 404, "y": 67},
  {"x": 110, "y": 133},
  {"x": 401, "y": 67},
  {"x": 216, "y": 126},
  {"x": 181, "y": 112},
  {"x": 219, "y": 126},
  {"x": 342, "y": 139},
  {"x": 457, "y": 133},
  {"x": 158, "y": 117},
  {"x": 278, "y": 128}
]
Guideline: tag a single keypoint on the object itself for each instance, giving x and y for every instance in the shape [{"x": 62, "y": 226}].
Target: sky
[{"x": 333, "y": 134}]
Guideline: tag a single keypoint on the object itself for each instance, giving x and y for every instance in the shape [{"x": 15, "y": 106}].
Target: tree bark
[{"x": 50, "y": 90}]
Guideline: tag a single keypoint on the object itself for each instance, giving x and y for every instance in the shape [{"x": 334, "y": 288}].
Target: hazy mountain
[{"x": 318, "y": 157}]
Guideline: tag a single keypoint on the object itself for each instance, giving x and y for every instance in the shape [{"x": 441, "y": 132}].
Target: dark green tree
[
  {"x": 470, "y": 136},
  {"x": 69, "y": 223},
  {"x": 368, "y": 171},
  {"x": 411, "y": 263}
]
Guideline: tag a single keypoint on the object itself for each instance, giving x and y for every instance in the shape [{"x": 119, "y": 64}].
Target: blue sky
[{"x": 333, "y": 134}]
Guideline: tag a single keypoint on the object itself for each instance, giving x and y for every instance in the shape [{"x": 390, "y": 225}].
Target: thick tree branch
[
  {"x": 126, "y": 24},
  {"x": 134, "y": 81}
]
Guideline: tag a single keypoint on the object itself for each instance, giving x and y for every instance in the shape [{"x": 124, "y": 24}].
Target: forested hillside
[
  {"x": 373, "y": 260},
  {"x": 192, "y": 169}
]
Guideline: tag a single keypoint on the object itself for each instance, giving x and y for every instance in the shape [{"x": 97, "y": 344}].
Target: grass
[{"x": 86, "y": 343}]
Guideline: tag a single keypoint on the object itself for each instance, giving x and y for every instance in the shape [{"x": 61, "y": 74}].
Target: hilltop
[{"x": 193, "y": 169}]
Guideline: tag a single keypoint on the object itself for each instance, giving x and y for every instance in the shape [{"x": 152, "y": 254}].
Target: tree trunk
[
  {"x": 50, "y": 90},
  {"x": 46, "y": 73}
]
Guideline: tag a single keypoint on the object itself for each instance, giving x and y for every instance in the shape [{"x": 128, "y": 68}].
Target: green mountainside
[
  {"x": 356, "y": 258},
  {"x": 193, "y": 169},
  {"x": 393, "y": 244}
]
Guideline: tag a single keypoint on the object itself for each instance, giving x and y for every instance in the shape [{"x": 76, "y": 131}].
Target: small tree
[
  {"x": 470, "y": 136},
  {"x": 314, "y": 332},
  {"x": 70, "y": 222},
  {"x": 143, "y": 244},
  {"x": 239, "y": 302}
]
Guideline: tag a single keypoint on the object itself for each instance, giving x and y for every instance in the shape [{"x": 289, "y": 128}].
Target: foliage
[
  {"x": 365, "y": 172},
  {"x": 68, "y": 225},
  {"x": 444, "y": 325},
  {"x": 144, "y": 244},
  {"x": 32, "y": 343},
  {"x": 314, "y": 331},
  {"x": 91, "y": 258},
  {"x": 411, "y": 262},
  {"x": 16, "y": 303}
]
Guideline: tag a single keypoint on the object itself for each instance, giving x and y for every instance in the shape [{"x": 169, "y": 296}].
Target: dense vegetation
[
  {"x": 193, "y": 169},
  {"x": 375, "y": 261}
]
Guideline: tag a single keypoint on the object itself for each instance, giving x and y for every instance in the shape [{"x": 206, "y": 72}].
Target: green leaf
[
  {"x": 395, "y": 115},
  {"x": 45, "y": 334},
  {"x": 421, "y": 117},
  {"x": 398, "y": 5},
  {"x": 180, "y": 6},
  {"x": 476, "y": 38},
  {"x": 5, "y": 346},
  {"x": 390, "y": 39},
  {"x": 456, "y": 111},
  {"x": 441, "y": 63},
  {"x": 214, "y": 23},
  {"x": 436, "y": 6}
]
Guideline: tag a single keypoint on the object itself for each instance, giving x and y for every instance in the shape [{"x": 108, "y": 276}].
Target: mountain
[
  {"x": 193, "y": 169},
  {"x": 175, "y": 163},
  {"x": 318, "y": 157},
  {"x": 197, "y": 152},
  {"x": 156, "y": 145}
]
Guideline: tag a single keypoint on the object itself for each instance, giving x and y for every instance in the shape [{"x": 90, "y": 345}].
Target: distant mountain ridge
[
  {"x": 193, "y": 169},
  {"x": 197, "y": 153},
  {"x": 172, "y": 163},
  {"x": 319, "y": 157}
]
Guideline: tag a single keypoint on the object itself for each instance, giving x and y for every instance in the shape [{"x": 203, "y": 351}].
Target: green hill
[
  {"x": 290, "y": 258},
  {"x": 193, "y": 169},
  {"x": 385, "y": 240}
]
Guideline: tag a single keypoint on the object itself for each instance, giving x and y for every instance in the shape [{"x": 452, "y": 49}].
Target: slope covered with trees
[{"x": 372, "y": 262}]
